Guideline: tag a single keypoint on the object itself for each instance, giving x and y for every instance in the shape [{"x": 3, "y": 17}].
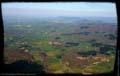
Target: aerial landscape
[{"x": 60, "y": 37}]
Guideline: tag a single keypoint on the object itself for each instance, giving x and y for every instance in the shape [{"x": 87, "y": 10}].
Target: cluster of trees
[
  {"x": 84, "y": 27},
  {"x": 88, "y": 53},
  {"x": 106, "y": 48},
  {"x": 111, "y": 36},
  {"x": 82, "y": 33},
  {"x": 69, "y": 44},
  {"x": 85, "y": 33}
]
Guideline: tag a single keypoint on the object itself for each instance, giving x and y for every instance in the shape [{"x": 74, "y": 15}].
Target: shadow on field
[{"x": 24, "y": 66}]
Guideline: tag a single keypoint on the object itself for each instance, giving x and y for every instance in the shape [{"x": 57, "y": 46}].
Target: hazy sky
[{"x": 60, "y": 9}]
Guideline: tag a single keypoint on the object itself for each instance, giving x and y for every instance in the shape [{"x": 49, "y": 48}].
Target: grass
[
  {"x": 76, "y": 70},
  {"x": 103, "y": 67},
  {"x": 56, "y": 67},
  {"x": 86, "y": 47},
  {"x": 53, "y": 60},
  {"x": 60, "y": 68},
  {"x": 36, "y": 56},
  {"x": 45, "y": 46}
]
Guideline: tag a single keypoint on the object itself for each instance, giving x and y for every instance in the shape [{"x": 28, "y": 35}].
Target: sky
[{"x": 95, "y": 9}]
